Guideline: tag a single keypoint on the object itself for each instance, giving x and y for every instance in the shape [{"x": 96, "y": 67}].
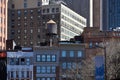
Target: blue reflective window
[
  {"x": 19, "y": 12},
  {"x": 43, "y": 69},
  {"x": 79, "y": 53},
  {"x": 37, "y": 78},
  {"x": 53, "y": 58},
  {"x": 38, "y": 69},
  {"x": 48, "y": 78},
  {"x": 48, "y": 69},
  {"x": 38, "y": 58},
  {"x": 42, "y": 78},
  {"x": 64, "y": 65},
  {"x": 69, "y": 65},
  {"x": 53, "y": 69},
  {"x": 12, "y": 61},
  {"x": 71, "y": 53},
  {"x": 43, "y": 58},
  {"x": 48, "y": 58},
  {"x": 63, "y": 54},
  {"x": 53, "y": 78}
]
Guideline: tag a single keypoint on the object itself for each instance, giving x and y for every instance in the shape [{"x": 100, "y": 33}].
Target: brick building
[{"x": 27, "y": 21}]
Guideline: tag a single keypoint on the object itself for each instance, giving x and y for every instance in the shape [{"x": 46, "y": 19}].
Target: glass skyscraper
[{"x": 111, "y": 14}]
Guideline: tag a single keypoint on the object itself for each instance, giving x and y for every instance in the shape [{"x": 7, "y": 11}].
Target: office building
[
  {"x": 27, "y": 24},
  {"x": 82, "y": 7},
  {"x": 111, "y": 14},
  {"x": 3, "y": 24},
  {"x": 20, "y": 64}
]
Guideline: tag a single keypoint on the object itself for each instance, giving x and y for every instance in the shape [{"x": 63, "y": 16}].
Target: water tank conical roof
[{"x": 51, "y": 22}]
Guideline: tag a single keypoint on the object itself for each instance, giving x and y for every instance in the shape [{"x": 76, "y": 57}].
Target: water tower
[{"x": 51, "y": 32}]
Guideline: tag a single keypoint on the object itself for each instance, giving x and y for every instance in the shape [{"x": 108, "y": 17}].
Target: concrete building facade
[
  {"x": 3, "y": 24},
  {"x": 27, "y": 25},
  {"x": 82, "y": 7}
]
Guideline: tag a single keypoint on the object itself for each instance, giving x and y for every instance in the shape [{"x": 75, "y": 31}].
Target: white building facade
[
  {"x": 69, "y": 23},
  {"x": 19, "y": 65}
]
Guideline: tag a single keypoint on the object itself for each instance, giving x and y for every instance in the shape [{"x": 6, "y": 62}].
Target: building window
[
  {"x": 31, "y": 17},
  {"x": 12, "y": 61},
  {"x": 57, "y": 9},
  {"x": 48, "y": 78},
  {"x": 53, "y": 69},
  {"x": 39, "y": 11},
  {"x": 17, "y": 61},
  {"x": 25, "y": 43},
  {"x": 22, "y": 61},
  {"x": 48, "y": 69},
  {"x": 64, "y": 65},
  {"x": 31, "y": 24},
  {"x": 11, "y": 74},
  {"x": 28, "y": 61},
  {"x": 25, "y": 17},
  {"x": 38, "y": 30},
  {"x": 38, "y": 79},
  {"x": 38, "y": 69},
  {"x": 53, "y": 10},
  {"x": 43, "y": 58},
  {"x": 53, "y": 58},
  {"x": 25, "y": 12},
  {"x": 43, "y": 69},
  {"x": 63, "y": 54},
  {"x": 25, "y": 0},
  {"x": 79, "y": 53},
  {"x": 25, "y": 5},
  {"x": 31, "y": 43},
  {"x": 27, "y": 74},
  {"x": 18, "y": 18},
  {"x": 48, "y": 58},
  {"x": 17, "y": 74},
  {"x": 38, "y": 58},
  {"x": 90, "y": 45},
  {"x": 22, "y": 74},
  {"x": 25, "y": 31},
  {"x": 69, "y": 65},
  {"x": 25, "y": 37},
  {"x": 42, "y": 78},
  {"x": 53, "y": 78},
  {"x": 31, "y": 11},
  {"x": 47, "y": 10},
  {"x": 31, "y": 31},
  {"x": 53, "y": 16},
  {"x": 71, "y": 53},
  {"x": 18, "y": 31},
  {"x": 13, "y": 6},
  {"x": 39, "y": 3},
  {"x": 18, "y": 24},
  {"x": 19, "y": 12},
  {"x": 18, "y": 37},
  {"x": 43, "y": 10}
]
